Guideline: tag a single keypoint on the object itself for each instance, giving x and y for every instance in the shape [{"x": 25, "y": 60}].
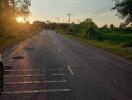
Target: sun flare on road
[{"x": 19, "y": 19}]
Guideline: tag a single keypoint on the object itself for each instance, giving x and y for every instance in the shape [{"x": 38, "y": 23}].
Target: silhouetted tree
[
  {"x": 22, "y": 8},
  {"x": 9, "y": 9},
  {"x": 122, "y": 26},
  {"x": 112, "y": 27},
  {"x": 124, "y": 9},
  {"x": 91, "y": 28}
]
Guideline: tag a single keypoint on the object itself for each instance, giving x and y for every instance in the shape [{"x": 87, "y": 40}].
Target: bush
[{"x": 91, "y": 31}]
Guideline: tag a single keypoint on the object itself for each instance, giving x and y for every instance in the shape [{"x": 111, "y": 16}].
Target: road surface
[{"x": 49, "y": 66}]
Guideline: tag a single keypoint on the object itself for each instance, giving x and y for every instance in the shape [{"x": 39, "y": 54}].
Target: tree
[
  {"x": 91, "y": 28},
  {"x": 122, "y": 26},
  {"x": 105, "y": 27},
  {"x": 9, "y": 9},
  {"x": 87, "y": 21},
  {"x": 22, "y": 9},
  {"x": 7, "y": 15},
  {"x": 112, "y": 27},
  {"x": 124, "y": 9}
]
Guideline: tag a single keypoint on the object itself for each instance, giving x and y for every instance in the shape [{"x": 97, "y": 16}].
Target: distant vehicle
[{"x": 1, "y": 74}]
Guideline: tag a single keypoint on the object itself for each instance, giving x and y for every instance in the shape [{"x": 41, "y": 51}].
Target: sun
[{"x": 19, "y": 19}]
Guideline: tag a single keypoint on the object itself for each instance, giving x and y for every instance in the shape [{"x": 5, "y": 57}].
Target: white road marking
[
  {"x": 38, "y": 91},
  {"x": 58, "y": 74},
  {"x": 55, "y": 69},
  {"x": 94, "y": 58},
  {"x": 70, "y": 70},
  {"x": 35, "y": 82},
  {"x": 33, "y": 75},
  {"x": 23, "y": 70},
  {"x": 59, "y": 50},
  {"x": 24, "y": 75}
]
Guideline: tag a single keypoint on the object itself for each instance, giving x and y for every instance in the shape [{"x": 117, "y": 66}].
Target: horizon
[{"x": 100, "y": 12}]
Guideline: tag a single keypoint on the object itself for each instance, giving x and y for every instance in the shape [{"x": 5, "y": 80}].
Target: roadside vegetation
[
  {"x": 109, "y": 37},
  {"x": 115, "y": 39},
  {"x": 12, "y": 32}
]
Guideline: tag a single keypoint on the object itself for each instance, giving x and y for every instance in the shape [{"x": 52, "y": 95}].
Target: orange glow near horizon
[{"x": 19, "y": 19}]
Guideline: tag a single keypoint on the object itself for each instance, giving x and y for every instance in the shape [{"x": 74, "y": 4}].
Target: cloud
[{"x": 76, "y": 1}]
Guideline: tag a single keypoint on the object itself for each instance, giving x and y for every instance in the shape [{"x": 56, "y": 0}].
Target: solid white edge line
[
  {"x": 70, "y": 70},
  {"x": 37, "y": 91}
]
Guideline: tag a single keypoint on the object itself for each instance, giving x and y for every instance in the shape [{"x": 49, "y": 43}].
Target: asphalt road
[{"x": 51, "y": 67}]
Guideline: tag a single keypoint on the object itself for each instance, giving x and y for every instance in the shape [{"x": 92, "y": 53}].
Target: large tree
[
  {"x": 124, "y": 9},
  {"x": 22, "y": 8},
  {"x": 9, "y": 9},
  {"x": 7, "y": 14}
]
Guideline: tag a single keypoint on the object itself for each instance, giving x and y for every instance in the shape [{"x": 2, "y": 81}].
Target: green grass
[
  {"x": 105, "y": 45},
  {"x": 9, "y": 41}
]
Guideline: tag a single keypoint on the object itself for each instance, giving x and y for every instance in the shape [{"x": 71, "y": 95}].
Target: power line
[{"x": 102, "y": 15}]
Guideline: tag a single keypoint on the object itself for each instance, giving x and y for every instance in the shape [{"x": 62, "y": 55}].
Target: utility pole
[
  {"x": 69, "y": 15},
  {"x": 58, "y": 19},
  {"x": 49, "y": 24},
  {"x": 78, "y": 21}
]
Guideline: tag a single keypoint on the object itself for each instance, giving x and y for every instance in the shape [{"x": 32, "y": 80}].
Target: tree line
[{"x": 89, "y": 30}]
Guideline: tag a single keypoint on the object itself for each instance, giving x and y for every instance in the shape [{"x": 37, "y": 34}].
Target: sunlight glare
[{"x": 19, "y": 19}]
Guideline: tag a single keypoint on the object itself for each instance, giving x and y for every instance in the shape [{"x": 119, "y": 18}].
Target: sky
[{"x": 98, "y": 10}]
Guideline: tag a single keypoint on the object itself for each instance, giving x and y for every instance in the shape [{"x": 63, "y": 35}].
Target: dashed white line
[
  {"x": 35, "y": 82},
  {"x": 37, "y": 91},
  {"x": 70, "y": 70}
]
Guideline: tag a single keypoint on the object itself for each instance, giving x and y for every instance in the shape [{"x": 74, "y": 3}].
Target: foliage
[
  {"x": 22, "y": 9},
  {"x": 86, "y": 29},
  {"x": 89, "y": 30},
  {"x": 124, "y": 9},
  {"x": 112, "y": 27},
  {"x": 8, "y": 11}
]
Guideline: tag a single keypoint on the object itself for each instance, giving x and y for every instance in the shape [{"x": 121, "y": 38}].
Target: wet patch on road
[
  {"x": 8, "y": 67},
  {"x": 18, "y": 57},
  {"x": 30, "y": 48}
]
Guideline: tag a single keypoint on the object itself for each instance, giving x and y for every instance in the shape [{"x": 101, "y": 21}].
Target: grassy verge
[
  {"x": 105, "y": 45},
  {"x": 9, "y": 41}
]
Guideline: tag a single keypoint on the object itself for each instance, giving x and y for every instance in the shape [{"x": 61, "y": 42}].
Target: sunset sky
[{"x": 98, "y": 10}]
